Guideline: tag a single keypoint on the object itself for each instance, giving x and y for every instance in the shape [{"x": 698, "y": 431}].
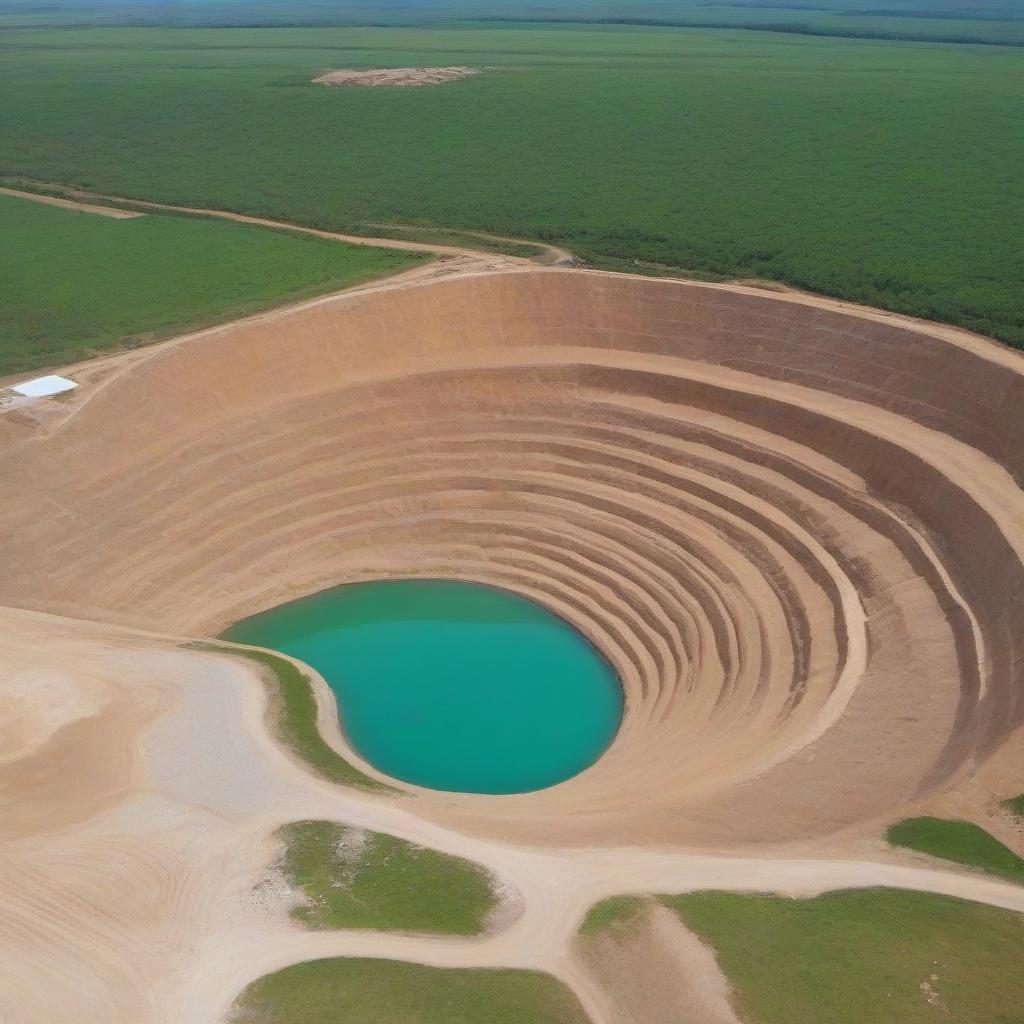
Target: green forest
[{"x": 882, "y": 172}]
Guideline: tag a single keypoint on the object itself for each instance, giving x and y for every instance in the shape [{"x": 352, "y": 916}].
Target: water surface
[{"x": 449, "y": 685}]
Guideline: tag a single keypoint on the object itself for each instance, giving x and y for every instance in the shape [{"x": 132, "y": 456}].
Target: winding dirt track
[
  {"x": 71, "y": 204},
  {"x": 549, "y": 254},
  {"x": 794, "y": 527}
]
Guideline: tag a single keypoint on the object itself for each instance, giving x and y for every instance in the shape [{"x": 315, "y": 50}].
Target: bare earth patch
[
  {"x": 394, "y": 76},
  {"x": 70, "y": 204},
  {"x": 656, "y": 971}
]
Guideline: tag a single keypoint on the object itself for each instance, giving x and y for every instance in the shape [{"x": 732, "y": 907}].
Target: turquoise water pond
[{"x": 453, "y": 686}]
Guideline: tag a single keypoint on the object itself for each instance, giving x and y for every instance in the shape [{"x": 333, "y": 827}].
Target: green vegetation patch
[
  {"x": 1015, "y": 806},
  {"x": 73, "y": 284},
  {"x": 392, "y": 992},
  {"x": 356, "y": 879},
  {"x": 959, "y": 841},
  {"x": 882, "y": 172},
  {"x": 876, "y": 956},
  {"x": 293, "y": 717},
  {"x": 615, "y": 913}
]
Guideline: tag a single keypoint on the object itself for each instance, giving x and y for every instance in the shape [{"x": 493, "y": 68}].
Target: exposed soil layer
[
  {"x": 394, "y": 76},
  {"x": 657, "y": 972},
  {"x": 794, "y": 530}
]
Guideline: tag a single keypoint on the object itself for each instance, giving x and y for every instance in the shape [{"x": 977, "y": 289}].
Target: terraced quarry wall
[{"x": 795, "y": 530}]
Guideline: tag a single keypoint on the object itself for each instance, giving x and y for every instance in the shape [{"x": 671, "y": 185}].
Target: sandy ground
[
  {"x": 793, "y": 526},
  {"x": 71, "y": 204},
  {"x": 659, "y": 972},
  {"x": 394, "y": 76},
  {"x": 140, "y": 899}
]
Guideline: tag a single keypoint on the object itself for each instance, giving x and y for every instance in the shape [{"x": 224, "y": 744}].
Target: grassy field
[
  {"x": 990, "y": 21},
  {"x": 958, "y": 841},
  {"x": 389, "y": 992},
  {"x": 356, "y": 879},
  {"x": 74, "y": 284},
  {"x": 863, "y": 957},
  {"x": 887, "y": 173},
  {"x": 293, "y": 718}
]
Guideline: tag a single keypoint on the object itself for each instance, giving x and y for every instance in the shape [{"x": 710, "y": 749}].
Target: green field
[
  {"x": 391, "y": 992},
  {"x": 75, "y": 284},
  {"x": 958, "y": 841},
  {"x": 883, "y": 172},
  {"x": 355, "y": 879},
  {"x": 859, "y": 957},
  {"x": 990, "y": 21}
]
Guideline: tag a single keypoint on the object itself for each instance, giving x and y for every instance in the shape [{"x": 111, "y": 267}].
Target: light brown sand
[
  {"x": 793, "y": 526},
  {"x": 656, "y": 971}
]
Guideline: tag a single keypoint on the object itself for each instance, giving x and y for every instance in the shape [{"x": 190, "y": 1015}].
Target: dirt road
[
  {"x": 83, "y": 199},
  {"x": 72, "y": 204}
]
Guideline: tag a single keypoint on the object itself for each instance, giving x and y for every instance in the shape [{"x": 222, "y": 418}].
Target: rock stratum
[{"x": 794, "y": 528}]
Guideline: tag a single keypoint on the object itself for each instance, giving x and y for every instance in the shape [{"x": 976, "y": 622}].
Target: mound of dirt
[{"x": 394, "y": 76}]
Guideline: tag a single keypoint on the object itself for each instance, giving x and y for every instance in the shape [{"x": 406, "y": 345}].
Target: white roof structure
[{"x": 42, "y": 387}]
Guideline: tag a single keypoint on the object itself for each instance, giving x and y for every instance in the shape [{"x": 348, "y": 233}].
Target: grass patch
[
  {"x": 1015, "y": 806},
  {"x": 389, "y": 991},
  {"x": 875, "y": 956},
  {"x": 958, "y": 841},
  {"x": 74, "y": 284},
  {"x": 293, "y": 718},
  {"x": 356, "y": 879},
  {"x": 881, "y": 172},
  {"x": 616, "y": 912}
]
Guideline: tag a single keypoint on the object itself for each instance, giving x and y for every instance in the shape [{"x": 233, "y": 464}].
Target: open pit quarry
[{"x": 793, "y": 527}]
